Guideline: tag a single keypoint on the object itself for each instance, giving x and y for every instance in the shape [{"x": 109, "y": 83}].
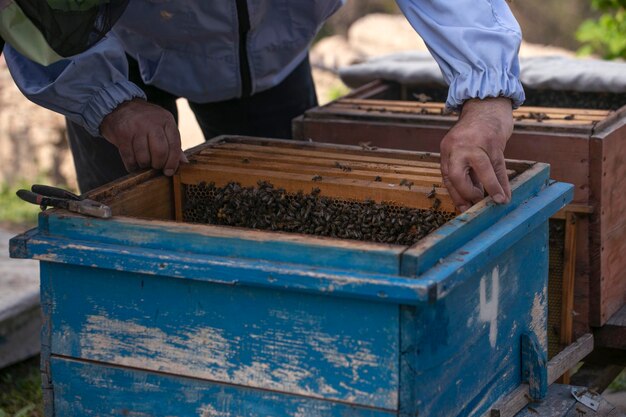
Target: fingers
[
  {"x": 484, "y": 170},
  {"x": 175, "y": 154},
  {"x": 145, "y": 135},
  {"x": 159, "y": 150},
  {"x": 128, "y": 156},
  {"x": 499, "y": 166},
  {"x": 460, "y": 168},
  {"x": 468, "y": 172},
  {"x": 141, "y": 150},
  {"x": 461, "y": 203}
]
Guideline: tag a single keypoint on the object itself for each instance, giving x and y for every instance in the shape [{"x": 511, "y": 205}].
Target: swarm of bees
[{"x": 266, "y": 207}]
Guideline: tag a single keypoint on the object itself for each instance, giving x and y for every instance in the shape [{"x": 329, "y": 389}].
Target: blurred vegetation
[
  {"x": 20, "y": 390},
  {"x": 337, "y": 92},
  {"x": 13, "y": 210},
  {"x": 605, "y": 35},
  {"x": 552, "y": 22}
]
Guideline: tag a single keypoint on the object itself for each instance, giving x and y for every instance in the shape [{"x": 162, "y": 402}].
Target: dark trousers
[{"x": 266, "y": 114}]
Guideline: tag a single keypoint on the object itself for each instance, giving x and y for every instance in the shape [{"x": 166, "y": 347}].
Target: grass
[
  {"x": 15, "y": 213},
  {"x": 337, "y": 92},
  {"x": 20, "y": 390}
]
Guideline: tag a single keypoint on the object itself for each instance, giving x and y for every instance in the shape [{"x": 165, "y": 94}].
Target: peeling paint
[
  {"x": 130, "y": 344},
  {"x": 207, "y": 410},
  {"x": 539, "y": 318},
  {"x": 208, "y": 353}
]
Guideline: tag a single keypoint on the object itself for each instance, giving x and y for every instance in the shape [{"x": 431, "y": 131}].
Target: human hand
[
  {"x": 472, "y": 152},
  {"x": 146, "y": 136}
]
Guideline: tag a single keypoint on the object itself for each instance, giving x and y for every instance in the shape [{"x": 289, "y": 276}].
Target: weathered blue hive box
[{"x": 146, "y": 316}]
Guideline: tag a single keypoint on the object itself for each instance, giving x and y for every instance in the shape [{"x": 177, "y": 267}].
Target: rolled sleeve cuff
[
  {"x": 488, "y": 83},
  {"x": 106, "y": 101}
]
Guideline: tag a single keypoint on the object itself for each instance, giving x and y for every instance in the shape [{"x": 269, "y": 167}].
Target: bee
[{"x": 407, "y": 183}]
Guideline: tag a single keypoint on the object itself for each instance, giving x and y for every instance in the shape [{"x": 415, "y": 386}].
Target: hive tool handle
[
  {"x": 49, "y": 191},
  {"x": 534, "y": 366}
]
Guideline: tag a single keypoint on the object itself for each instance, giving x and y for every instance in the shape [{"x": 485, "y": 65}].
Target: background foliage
[{"x": 605, "y": 35}]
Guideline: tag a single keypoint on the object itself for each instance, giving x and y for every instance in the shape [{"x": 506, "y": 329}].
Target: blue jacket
[{"x": 193, "y": 49}]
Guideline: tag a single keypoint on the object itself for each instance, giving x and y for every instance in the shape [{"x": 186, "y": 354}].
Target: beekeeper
[{"x": 243, "y": 67}]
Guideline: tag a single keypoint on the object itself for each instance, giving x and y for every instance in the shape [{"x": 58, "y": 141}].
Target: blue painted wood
[
  {"x": 310, "y": 345},
  {"x": 454, "y": 269},
  {"x": 229, "y": 271},
  {"x": 465, "y": 349},
  {"x": 235, "y": 271},
  {"x": 227, "y": 242},
  {"x": 425, "y": 254},
  {"x": 252, "y": 317},
  {"x": 534, "y": 366},
  {"x": 47, "y": 300},
  {"x": 87, "y": 389}
]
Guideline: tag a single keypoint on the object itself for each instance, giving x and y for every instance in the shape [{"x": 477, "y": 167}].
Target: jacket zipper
[{"x": 243, "y": 18}]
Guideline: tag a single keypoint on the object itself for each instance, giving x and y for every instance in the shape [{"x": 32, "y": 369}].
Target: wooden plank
[
  {"x": 319, "y": 146},
  {"x": 579, "y": 209},
  {"x": 178, "y": 197},
  {"x": 150, "y": 199},
  {"x": 568, "y": 156},
  {"x": 238, "y": 271},
  {"x": 269, "y": 339},
  {"x": 351, "y": 189},
  {"x": 107, "y": 192},
  {"x": 429, "y": 179},
  {"x": 84, "y": 388},
  {"x": 381, "y": 152},
  {"x": 439, "y": 105},
  {"x": 304, "y": 164},
  {"x": 356, "y": 155},
  {"x": 569, "y": 274},
  {"x": 231, "y": 242},
  {"x": 438, "y": 118},
  {"x": 522, "y": 115},
  {"x": 581, "y": 281},
  {"x": 569, "y": 357},
  {"x": 608, "y": 234},
  {"x": 513, "y": 402}
]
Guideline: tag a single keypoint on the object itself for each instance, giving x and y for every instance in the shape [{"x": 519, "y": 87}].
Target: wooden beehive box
[
  {"x": 584, "y": 144},
  {"x": 145, "y": 315}
]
